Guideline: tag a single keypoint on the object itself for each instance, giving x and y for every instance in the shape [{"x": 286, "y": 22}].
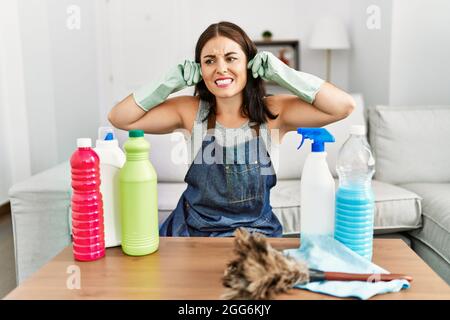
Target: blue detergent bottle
[{"x": 354, "y": 198}]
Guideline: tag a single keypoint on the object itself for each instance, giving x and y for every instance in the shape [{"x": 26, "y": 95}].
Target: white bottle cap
[
  {"x": 84, "y": 142},
  {"x": 106, "y": 138},
  {"x": 104, "y": 132},
  {"x": 359, "y": 130}
]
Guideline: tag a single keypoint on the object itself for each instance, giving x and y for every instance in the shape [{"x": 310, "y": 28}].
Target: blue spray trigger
[
  {"x": 109, "y": 136},
  {"x": 319, "y": 137}
]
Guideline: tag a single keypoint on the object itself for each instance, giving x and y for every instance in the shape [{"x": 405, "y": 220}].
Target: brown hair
[{"x": 254, "y": 106}]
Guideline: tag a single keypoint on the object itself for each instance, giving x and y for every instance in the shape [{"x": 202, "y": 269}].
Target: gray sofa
[
  {"x": 412, "y": 150},
  {"x": 413, "y": 205}
]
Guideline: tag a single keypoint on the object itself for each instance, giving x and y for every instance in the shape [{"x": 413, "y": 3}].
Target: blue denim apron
[{"x": 223, "y": 196}]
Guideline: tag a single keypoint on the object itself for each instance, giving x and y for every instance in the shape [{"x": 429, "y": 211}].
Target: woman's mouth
[{"x": 224, "y": 82}]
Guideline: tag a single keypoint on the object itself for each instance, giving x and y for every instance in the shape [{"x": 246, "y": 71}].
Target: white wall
[
  {"x": 420, "y": 52},
  {"x": 370, "y": 52},
  {"x": 48, "y": 86},
  {"x": 39, "y": 83},
  {"x": 405, "y": 62},
  {"x": 74, "y": 73},
  {"x": 60, "y": 70},
  {"x": 150, "y": 37}
]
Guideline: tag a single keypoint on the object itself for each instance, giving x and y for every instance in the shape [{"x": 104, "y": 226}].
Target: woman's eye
[
  {"x": 208, "y": 61},
  {"x": 231, "y": 59}
]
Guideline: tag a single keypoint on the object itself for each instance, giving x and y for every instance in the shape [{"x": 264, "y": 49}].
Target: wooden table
[{"x": 191, "y": 268}]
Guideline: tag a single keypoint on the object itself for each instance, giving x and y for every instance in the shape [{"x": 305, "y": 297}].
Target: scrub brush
[{"x": 260, "y": 272}]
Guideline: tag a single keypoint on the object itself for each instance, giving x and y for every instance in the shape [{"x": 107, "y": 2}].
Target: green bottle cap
[{"x": 136, "y": 133}]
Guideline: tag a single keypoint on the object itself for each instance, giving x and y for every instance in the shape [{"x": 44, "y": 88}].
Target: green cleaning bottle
[{"x": 138, "y": 198}]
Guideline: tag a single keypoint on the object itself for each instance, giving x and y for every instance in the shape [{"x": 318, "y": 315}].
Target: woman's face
[{"x": 224, "y": 67}]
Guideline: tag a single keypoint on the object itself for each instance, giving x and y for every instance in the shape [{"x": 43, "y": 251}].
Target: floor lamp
[{"x": 328, "y": 34}]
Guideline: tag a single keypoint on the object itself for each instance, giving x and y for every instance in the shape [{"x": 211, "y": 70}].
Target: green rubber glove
[
  {"x": 181, "y": 76},
  {"x": 270, "y": 68}
]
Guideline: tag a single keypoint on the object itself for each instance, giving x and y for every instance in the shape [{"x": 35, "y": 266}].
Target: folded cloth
[{"x": 327, "y": 254}]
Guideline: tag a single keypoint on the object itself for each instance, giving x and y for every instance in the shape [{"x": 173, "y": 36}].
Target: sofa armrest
[{"x": 40, "y": 209}]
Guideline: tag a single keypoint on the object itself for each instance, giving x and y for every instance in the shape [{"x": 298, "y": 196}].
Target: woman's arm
[
  {"x": 333, "y": 101},
  {"x": 315, "y": 102},
  {"x": 149, "y": 109},
  {"x": 125, "y": 113},
  {"x": 330, "y": 105},
  {"x": 168, "y": 116}
]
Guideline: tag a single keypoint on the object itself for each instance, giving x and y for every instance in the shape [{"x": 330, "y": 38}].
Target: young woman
[{"x": 229, "y": 184}]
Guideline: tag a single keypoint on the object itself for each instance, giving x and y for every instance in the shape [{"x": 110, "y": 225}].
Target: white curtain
[{"x": 14, "y": 144}]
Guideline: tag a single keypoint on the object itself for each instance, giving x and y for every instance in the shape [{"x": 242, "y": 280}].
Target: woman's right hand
[
  {"x": 149, "y": 108},
  {"x": 191, "y": 71},
  {"x": 185, "y": 74}
]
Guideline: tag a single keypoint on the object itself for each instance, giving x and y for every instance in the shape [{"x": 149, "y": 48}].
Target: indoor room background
[{"x": 65, "y": 63}]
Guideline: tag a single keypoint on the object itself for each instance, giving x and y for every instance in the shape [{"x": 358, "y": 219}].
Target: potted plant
[{"x": 267, "y": 35}]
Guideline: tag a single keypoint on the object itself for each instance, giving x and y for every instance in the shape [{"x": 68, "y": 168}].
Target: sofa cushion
[
  {"x": 435, "y": 232},
  {"x": 409, "y": 143},
  {"x": 396, "y": 210},
  {"x": 169, "y": 194}
]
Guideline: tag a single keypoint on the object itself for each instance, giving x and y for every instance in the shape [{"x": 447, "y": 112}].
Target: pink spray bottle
[{"x": 87, "y": 206}]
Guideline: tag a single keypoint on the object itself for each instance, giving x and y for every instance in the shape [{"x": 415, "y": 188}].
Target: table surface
[{"x": 192, "y": 268}]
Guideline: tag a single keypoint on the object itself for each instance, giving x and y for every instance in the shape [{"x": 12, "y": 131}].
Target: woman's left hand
[
  {"x": 265, "y": 65},
  {"x": 270, "y": 68}
]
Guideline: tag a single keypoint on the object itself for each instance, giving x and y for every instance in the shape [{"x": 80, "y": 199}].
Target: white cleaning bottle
[
  {"x": 317, "y": 186},
  {"x": 112, "y": 160}
]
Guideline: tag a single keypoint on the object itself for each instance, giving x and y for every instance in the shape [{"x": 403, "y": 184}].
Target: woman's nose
[{"x": 222, "y": 67}]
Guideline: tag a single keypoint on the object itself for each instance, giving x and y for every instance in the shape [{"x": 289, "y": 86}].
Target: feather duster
[{"x": 259, "y": 271}]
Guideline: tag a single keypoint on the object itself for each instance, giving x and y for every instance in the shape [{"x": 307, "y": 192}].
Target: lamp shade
[{"x": 329, "y": 33}]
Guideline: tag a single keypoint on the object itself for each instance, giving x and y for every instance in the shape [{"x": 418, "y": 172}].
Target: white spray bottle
[
  {"x": 112, "y": 159},
  {"x": 317, "y": 186}
]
